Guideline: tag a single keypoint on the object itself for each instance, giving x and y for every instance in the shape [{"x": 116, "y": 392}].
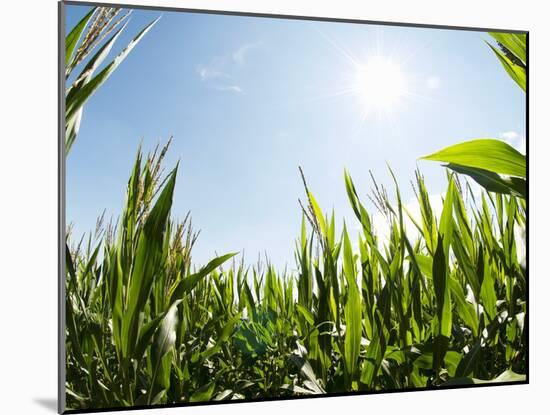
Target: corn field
[
  {"x": 435, "y": 305},
  {"x": 447, "y": 308}
]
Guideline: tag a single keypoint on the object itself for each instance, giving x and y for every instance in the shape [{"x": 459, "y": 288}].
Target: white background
[{"x": 28, "y": 203}]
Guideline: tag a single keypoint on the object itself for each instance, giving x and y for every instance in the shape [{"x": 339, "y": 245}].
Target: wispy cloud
[
  {"x": 221, "y": 68},
  {"x": 209, "y": 71},
  {"x": 231, "y": 88},
  {"x": 213, "y": 72},
  {"x": 240, "y": 55},
  {"x": 509, "y": 135},
  {"x": 515, "y": 139}
]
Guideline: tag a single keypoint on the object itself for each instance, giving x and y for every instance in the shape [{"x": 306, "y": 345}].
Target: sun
[{"x": 379, "y": 84}]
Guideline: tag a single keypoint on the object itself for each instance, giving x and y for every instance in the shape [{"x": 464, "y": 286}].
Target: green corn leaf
[
  {"x": 466, "y": 311},
  {"x": 148, "y": 255},
  {"x": 71, "y": 41},
  {"x": 188, "y": 283},
  {"x": 307, "y": 371},
  {"x": 446, "y": 222},
  {"x": 226, "y": 332},
  {"x": 489, "y": 154},
  {"x": 425, "y": 263},
  {"x": 204, "y": 393},
  {"x": 70, "y": 266},
  {"x": 425, "y": 360},
  {"x": 514, "y": 42},
  {"x": 517, "y": 73},
  {"x": 81, "y": 96},
  {"x": 492, "y": 181},
  {"x": 375, "y": 354},
  {"x": 487, "y": 293},
  {"x": 78, "y": 98},
  {"x": 164, "y": 343},
  {"x": 429, "y": 228},
  {"x": 92, "y": 65},
  {"x": 223, "y": 395},
  {"x": 352, "y": 194},
  {"x": 465, "y": 263},
  {"x": 440, "y": 274},
  {"x": 469, "y": 361},
  {"x": 146, "y": 333},
  {"x": 318, "y": 213},
  {"x": 306, "y": 313},
  {"x": 166, "y": 337},
  {"x": 352, "y": 311}
]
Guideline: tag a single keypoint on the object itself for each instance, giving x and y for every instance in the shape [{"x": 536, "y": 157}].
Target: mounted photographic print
[{"x": 263, "y": 207}]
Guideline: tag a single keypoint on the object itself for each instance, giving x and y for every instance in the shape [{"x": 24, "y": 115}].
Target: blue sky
[{"x": 249, "y": 99}]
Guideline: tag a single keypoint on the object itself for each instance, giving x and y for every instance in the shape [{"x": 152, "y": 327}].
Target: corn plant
[
  {"x": 492, "y": 163},
  {"x": 438, "y": 305},
  {"x": 512, "y": 55},
  {"x": 86, "y": 36}
]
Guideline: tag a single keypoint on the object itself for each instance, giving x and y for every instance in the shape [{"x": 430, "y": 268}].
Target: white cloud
[
  {"x": 433, "y": 82},
  {"x": 239, "y": 56},
  {"x": 510, "y": 135},
  {"x": 209, "y": 71},
  {"x": 231, "y": 88},
  {"x": 515, "y": 139},
  {"x": 220, "y": 68}
]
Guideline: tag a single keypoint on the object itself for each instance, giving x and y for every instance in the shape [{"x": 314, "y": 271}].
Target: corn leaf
[
  {"x": 514, "y": 42},
  {"x": 488, "y": 154},
  {"x": 71, "y": 41},
  {"x": 352, "y": 311},
  {"x": 517, "y": 73},
  {"x": 78, "y": 97},
  {"x": 188, "y": 283},
  {"x": 148, "y": 254},
  {"x": 492, "y": 181}
]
